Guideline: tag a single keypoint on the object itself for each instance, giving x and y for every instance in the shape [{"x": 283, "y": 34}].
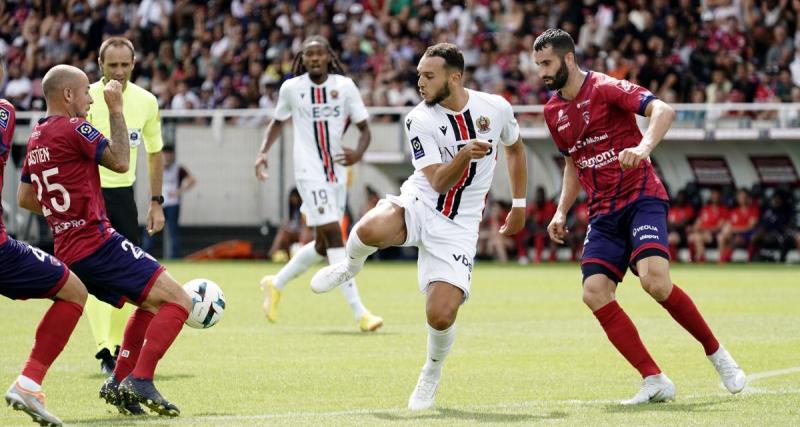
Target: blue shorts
[
  {"x": 28, "y": 272},
  {"x": 118, "y": 271},
  {"x": 617, "y": 240}
]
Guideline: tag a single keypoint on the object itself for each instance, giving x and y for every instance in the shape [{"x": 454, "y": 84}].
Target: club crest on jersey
[
  {"x": 586, "y": 117},
  {"x": 561, "y": 116},
  {"x": 416, "y": 148},
  {"x": 4, "y": 116},
  {"x": 483, "y": 123},
  {"x": 335, "y": 94},
  {"x": 87, "y": 131},
  {"x": 443, "y": 129}
]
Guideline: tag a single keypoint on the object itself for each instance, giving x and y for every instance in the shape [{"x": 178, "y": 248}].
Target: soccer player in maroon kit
[
  {"x": 60, "y": 180},
  {"x": 27, "y": 272},
  {"x": 591, "y": 119}
]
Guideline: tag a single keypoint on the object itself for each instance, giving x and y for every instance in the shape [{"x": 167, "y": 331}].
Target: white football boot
[
  {"x": 732, "y": 375},
  {"x": 425, "y": 392},
  {"x": 328, "y": 278},
  {"x": 655, "y": 388}
]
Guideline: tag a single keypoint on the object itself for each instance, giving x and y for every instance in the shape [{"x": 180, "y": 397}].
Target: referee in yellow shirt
[{"x": 140, "y": 108}]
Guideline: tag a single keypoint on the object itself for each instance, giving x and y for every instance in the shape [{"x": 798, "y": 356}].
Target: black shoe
[
  {"x": 109, "y": 392},
  {"x": 144, "y": 391},
  {"x": 107, "y": 361}
]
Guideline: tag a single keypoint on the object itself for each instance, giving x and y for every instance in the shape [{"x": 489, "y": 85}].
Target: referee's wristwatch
[{"x": 157, "y": 199}]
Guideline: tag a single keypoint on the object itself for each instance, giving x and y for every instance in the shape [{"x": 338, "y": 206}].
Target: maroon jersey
[
  {"x": 7, "y": 121},
  {"x": 593, "y": 129},
  {"x": 61, "y": 163}
]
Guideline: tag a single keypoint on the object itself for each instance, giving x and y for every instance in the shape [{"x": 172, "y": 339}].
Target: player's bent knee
[
  {"x": 166, "y": 290},
  {"x": 371, "y": 233},
  {"x": 598, "y": 290},
  {"x": 442, "y": 318},
  {"x": 73, "y": 290}
]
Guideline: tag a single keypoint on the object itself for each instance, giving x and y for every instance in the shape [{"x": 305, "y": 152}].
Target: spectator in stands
[
  {"x": 292, "y": 231},
  {"x": 177, "y": 180},
  {"x": 680, "y": 217},
  {"x": 708, "y": 224},
  {"x": 664, "y": 46},
  {"x": 577, "y": 224},
  {"x": 738, "y": 228},
  {"x": 492, "y": 244},
  {"x": 774, "y": 229},
  {"x": 540, "y": 212}
]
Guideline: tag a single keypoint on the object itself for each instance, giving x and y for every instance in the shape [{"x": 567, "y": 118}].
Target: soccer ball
[{"x": 208, "y": 303}]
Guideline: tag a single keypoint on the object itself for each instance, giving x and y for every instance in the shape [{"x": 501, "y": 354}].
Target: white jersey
[
  {"x": 319, "y": 114},
  {"x": 436, "y": 134}
]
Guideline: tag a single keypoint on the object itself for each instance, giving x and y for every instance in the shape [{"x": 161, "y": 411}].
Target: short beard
[
  {"x": 560, "y": 79},
  {"x": 440, "y": 96}
]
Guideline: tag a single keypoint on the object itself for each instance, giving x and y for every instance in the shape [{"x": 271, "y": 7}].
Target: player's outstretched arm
[
  {"x": 518, "y": 177},
  {"x": 351, "y": 157},
  {"x": 26, "y": 198},
  {"x": 270, "y": 136},
  {"x": 117, "y": 155},
  {"x": 569, "y": 193},
  {"x": 661, "y": 116},
  {"x": 443, "y": 176}
]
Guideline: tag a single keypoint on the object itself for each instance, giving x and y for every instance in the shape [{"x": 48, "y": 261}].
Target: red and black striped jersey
[
  {"x": 435, "y": 135},
  {"x": 593, "y": 129},
  {"x": 320, "y": 114}
]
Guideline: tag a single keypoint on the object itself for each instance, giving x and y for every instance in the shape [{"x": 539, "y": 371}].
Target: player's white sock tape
[
  {"x": 300, "y": 262},
  {"x": 439, "y": 345},
  {"x": 357, "y": 251}
]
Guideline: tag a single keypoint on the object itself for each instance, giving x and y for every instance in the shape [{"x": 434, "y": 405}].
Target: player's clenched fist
[
  {"x": 112, "y": 93},
  {"x": 631, "y": 157},
  {"x": 261, "y": 166},
  {"x": 477, "y": 149},
  {"x": 557, "y": 228}
]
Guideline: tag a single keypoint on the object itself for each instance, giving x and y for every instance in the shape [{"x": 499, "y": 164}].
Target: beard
[
  {"x": 440, "y": 96},
  {"x": 560, "y": 79}
]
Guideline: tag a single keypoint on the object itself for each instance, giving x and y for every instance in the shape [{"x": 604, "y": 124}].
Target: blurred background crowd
[{"x": 235, "y": 54}]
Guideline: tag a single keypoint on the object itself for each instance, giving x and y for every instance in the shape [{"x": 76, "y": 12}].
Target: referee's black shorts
[{"x": 122, "y": 212}]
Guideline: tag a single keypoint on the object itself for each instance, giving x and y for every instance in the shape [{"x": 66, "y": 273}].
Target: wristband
[{"x": 517, "y": 203}]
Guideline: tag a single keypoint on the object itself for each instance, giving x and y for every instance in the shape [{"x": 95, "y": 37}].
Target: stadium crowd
[
  {"x": 764, "y": 222},
  {"x": 235, "y": 54}
]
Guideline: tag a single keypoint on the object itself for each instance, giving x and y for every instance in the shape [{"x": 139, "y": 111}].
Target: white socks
[
  {"x": 300, "y": 262},
  {"x": 439, "y": 345},
  {"x": 349, "y": 289},
  {"x": 357, "y": 251},
  {"x": 28, "y": 384}
]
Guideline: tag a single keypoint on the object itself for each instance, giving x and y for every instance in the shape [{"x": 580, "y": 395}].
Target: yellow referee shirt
[{"x": 140, "y": 109}]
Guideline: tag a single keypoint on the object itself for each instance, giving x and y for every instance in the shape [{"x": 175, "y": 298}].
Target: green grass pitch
[{"x": 527, "y": 352}]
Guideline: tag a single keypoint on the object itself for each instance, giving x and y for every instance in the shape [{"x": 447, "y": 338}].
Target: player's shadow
[
  {"x": 159, "y": 377},
  {"x": 459, "y": 414},
  {"x": 355, "y": 333},
  {"x": 665, "y": 407}
]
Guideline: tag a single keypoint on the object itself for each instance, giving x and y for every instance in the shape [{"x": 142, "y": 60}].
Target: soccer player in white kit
[
  {"x": 454, "y": 137},
  {"x": 321, "y": 102}
]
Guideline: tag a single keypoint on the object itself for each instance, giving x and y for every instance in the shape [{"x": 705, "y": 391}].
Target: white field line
[{"x": 511, "y": 405}]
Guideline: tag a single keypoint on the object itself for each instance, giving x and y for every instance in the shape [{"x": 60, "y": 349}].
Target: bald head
[
  {"x": 62, "y": 77},
  {"x": 66, "y": 91}
]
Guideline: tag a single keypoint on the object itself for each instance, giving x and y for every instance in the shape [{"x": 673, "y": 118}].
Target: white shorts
[
  {"x": 446, "y": 249},
  {"x": 323, "y": 202}
]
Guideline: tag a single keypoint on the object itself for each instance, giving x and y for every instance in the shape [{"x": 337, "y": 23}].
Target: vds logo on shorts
[{"x": 416, "y": 148}]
